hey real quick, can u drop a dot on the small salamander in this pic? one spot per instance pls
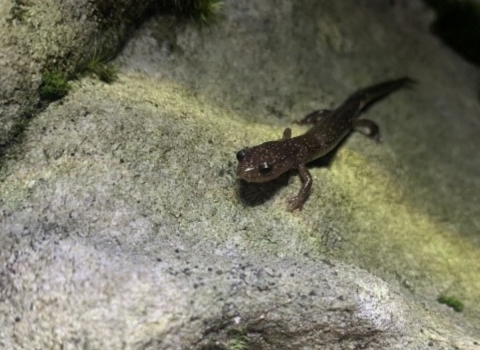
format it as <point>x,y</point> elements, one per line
<point>269,160</point>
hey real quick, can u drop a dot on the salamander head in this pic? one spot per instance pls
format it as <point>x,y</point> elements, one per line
<point>264,162</point>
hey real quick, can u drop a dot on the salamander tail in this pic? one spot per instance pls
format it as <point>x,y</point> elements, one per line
<point>374,93</point>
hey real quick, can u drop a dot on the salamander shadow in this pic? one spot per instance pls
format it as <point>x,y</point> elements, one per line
<point>252,194</point>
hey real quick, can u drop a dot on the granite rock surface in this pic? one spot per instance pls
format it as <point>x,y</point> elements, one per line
<point>122,224</point>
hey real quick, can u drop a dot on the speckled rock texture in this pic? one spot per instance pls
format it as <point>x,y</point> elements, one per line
<point>122,225</point>
<point>45,35</point>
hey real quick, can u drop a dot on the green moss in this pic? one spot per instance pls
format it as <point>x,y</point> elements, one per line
<point>239,343</point>
<point>97,64</point>
<point>55,83</point>
<point>453,302</point>
<point>54,86</point>
<point>204,12</point>
<point>238,339</point>
<point>104,71</point>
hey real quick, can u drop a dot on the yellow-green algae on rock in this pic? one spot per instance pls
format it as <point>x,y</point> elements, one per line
<point>396,237</point>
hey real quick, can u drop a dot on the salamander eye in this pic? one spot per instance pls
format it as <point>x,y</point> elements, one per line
<point>265,168</point>
<point>241,155</point>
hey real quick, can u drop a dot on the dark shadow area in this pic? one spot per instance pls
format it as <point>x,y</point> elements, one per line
<point>252,194</point>
<point>458,25</point>
<point>203,12</point>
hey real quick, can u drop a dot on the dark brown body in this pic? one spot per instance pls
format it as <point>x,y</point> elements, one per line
<point>269,160</point>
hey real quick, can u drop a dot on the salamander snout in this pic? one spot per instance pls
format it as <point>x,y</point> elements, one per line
<point>241,154</point>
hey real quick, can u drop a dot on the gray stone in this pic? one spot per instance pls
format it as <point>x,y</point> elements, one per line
<point>122,224</point>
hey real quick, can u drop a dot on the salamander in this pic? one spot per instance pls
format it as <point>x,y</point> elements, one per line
<point>269,160</point>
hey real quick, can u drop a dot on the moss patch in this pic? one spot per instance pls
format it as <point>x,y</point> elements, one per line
<point>204,12</point>
<point>239,343</point>
<point>98,65</point>
<point>104,71</point>
<point>451,301</point>
<point>54,86</point>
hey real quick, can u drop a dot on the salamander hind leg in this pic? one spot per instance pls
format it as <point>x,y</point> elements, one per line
<point>314,117</point>
<point>368,128</point>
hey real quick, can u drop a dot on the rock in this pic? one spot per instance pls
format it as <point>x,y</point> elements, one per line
<point>122,224</point>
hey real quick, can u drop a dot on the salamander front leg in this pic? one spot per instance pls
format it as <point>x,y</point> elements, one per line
<point>287,134</point>
<point>296,202</point>
<point>368,128</point>
<point>314,117</point>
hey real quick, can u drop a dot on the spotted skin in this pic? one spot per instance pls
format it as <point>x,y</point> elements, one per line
<point>269,160</point>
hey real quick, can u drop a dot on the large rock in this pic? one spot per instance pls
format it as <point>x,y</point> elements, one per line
<point>123,226</point>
